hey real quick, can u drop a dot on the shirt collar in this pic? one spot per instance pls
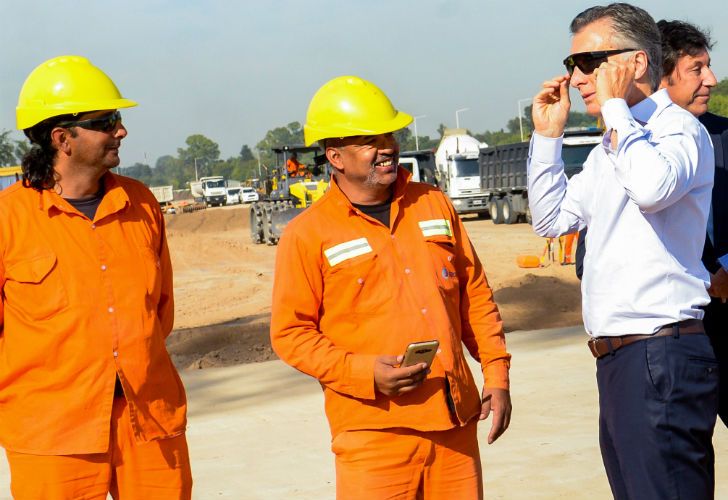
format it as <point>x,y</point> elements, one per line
<point>644,110</point>
<point>115,199</point>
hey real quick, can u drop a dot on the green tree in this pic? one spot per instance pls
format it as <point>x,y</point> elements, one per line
<point>718,103</point>
<point>139,171</point>
<point>22,147</point>
<point>280,136</point>
<point>170,170</point>
<point>246,154</point>
<point>200,150</point>
<point>7,149</point>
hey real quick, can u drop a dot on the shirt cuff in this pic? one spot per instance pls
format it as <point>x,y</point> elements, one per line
<point>617,115</point>
<point>724,261</point>
<point>546,150</point>
<point>495,375</point>
<point>361,376</point>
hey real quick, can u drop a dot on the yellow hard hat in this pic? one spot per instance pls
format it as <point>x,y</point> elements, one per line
<point>66,85</point>
<point>348,106</point>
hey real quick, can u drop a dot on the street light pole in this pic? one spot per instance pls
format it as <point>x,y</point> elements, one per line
<point>457,118</point>
<point>197,178</point>
<point>520,115</point>
<point>417,141</point>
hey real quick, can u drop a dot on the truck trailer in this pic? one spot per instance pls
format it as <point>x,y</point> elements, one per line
<point>505,180</point>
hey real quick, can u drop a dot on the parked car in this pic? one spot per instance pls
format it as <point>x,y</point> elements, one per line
<point>248,195</point>
<point>233,196</point>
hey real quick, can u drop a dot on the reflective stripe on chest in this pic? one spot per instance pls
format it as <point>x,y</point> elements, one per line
<point>435,227</point>
<point>348,250</point>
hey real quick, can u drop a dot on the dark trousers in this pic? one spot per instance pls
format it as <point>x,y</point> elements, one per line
<point>716,326</point>
<point>658,401</point>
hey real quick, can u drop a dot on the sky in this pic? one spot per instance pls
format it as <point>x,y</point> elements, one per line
<point>232,70</point>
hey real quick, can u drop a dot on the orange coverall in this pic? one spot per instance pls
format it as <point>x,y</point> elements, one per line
<point>349,289</point>
<point>84,302</point>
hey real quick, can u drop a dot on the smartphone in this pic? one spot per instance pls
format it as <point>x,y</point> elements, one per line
<point>420,352</point>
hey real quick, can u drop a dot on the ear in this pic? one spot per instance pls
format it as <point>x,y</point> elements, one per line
<point>335,159</point>
<point>641,65</point>
<point>60,140</point>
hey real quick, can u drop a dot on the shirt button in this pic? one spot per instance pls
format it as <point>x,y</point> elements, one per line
<point>424,310</point>
<point>93,226</point>
<point>103,267</point>
<point>111,309</point>
<point>360,281</point>
<point>449,258</point>
<point>116,354</point>
<point>407,270</point>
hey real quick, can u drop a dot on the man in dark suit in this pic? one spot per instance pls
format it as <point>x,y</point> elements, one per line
<point>689,81</point>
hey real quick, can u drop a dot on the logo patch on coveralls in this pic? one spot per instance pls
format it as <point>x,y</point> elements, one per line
<point>348,250</point>
<point>436,227</point>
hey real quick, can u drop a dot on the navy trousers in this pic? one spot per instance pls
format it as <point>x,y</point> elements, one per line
<point>716,326</point>
<point>658,402</point>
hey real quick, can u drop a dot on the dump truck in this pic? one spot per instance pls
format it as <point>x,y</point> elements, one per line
<point>505,180</point>
<point>286,196</point>
<point>164,195</point>
<point>212,190</point>
<point>458,173</point>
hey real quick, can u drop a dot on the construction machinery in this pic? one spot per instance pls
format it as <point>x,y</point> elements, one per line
<point>285,196</point>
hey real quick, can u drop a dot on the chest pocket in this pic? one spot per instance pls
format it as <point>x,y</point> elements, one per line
<point>442,253</point>
<point>35,287</point>
<point>358,281</point>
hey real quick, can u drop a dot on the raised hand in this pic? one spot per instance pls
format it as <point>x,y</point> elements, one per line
<point>551,107</point>
<point>614,78</point>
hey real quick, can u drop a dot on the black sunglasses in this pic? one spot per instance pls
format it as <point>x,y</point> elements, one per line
<point>587,62</point>
<point>105,123</point>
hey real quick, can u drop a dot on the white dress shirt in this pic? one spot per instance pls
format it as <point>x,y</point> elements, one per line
<point>646,206</point>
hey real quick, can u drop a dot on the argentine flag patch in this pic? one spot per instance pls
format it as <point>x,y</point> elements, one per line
<point>348,250</point>
<point>436,227</point>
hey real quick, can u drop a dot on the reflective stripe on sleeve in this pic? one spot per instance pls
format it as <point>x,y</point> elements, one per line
<point>435,227</point>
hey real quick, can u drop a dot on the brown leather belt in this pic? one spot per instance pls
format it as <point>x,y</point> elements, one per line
<point>601,346</point>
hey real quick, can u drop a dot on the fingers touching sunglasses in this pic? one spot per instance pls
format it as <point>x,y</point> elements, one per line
<point>587,62</point>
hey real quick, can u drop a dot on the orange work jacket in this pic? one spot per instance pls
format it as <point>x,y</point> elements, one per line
<point>348,289</point>
<point>82,302</point>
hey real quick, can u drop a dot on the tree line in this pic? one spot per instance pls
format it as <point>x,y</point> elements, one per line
<point>201,155</point>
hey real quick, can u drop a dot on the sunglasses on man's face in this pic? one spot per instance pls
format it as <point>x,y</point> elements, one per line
<point>105,123</point>
<point>587,62</point>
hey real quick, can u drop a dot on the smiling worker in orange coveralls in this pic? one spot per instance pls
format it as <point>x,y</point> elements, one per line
<point>90,402</point>
<point>377,263</point>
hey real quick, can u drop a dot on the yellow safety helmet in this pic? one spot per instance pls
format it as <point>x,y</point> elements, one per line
<point>66,85</point>
<point>348,106</point>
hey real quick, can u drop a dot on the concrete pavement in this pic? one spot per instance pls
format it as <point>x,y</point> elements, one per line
<point>259,432</point>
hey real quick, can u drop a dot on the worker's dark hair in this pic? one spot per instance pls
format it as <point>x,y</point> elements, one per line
<point>681,39</point>
<point>633,27</point>
<point>37,163</point>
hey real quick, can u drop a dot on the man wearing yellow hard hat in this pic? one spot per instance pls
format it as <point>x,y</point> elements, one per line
<point>90,402</point>
<point>380,266</point>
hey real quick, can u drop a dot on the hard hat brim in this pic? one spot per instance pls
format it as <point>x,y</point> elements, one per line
<point>32,116</point>
<point>314,134</point>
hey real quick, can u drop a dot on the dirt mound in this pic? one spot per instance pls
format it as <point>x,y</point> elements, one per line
<point>210,220</point>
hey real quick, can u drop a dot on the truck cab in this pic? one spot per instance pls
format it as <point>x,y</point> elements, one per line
<point>458,171</point>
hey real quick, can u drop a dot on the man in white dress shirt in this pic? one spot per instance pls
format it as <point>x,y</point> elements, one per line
<point>645,195</point>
